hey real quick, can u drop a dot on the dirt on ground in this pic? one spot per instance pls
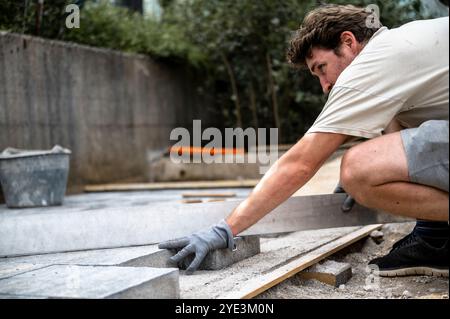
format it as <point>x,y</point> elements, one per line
<point>363,285</point>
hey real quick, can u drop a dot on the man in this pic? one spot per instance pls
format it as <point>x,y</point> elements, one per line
<point>389,86</point>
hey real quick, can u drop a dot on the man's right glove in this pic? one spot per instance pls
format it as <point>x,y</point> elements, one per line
<point>348,203</point>
<point>200,243</point>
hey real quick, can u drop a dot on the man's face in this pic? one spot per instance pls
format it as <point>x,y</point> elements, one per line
<point>327,65</point>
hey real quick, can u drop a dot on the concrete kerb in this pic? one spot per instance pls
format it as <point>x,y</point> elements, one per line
<point>246,247</point>
<point>139,256</point>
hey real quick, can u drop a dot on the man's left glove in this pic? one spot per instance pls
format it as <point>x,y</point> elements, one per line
<point>200,243</point>
<point>348,203</point>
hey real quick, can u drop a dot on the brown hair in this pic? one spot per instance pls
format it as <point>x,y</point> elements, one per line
<point>322,28</point>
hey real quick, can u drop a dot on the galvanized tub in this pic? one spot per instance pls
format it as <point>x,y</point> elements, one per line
<point>34,178</point>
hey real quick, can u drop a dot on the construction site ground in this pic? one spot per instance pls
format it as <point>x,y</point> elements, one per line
<point>360,285</point>
<point>277,249</point>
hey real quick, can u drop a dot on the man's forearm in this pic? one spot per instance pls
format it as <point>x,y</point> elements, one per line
<point>274,188</point>
<point>294,169</point>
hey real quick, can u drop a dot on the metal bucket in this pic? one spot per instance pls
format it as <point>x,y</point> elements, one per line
<point>34,178</point>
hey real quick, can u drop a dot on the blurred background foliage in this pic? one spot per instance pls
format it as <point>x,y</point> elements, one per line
<point>238,47</point>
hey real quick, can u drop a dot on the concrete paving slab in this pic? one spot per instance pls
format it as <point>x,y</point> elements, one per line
<point>139,256</point>
<point>3,296</point>
<point>93,201</point>
<point>13,268</point>
<point>72,281</point>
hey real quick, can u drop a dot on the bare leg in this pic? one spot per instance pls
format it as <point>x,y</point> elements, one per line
<point>375,173</point>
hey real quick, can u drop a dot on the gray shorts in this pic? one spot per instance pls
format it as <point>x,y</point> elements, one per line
<point>426,150</point>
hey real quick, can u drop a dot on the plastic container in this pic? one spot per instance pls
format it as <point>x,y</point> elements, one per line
<point>34,178</point>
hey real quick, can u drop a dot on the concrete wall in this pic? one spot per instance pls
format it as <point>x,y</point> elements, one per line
<point>108,107</point>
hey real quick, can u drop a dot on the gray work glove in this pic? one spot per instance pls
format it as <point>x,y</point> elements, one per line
<point>348,203</point>
<point>200,243</point>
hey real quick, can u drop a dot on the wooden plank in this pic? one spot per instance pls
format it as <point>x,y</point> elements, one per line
<point>191,201</point>
<point>260,284</point>
<point>206,150</point>
<point>267,148</point>
<point>247,183</point>
<point>208,194</point>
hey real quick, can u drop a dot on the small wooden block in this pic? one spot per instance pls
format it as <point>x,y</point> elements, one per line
<point>330,272</point>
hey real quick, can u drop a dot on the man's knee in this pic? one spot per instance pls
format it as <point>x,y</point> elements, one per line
<point>354,175</point>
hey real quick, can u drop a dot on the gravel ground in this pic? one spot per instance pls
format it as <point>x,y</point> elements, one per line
<point>361,285</point>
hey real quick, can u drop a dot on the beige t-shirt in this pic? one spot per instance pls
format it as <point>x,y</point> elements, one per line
<point>401,73</point>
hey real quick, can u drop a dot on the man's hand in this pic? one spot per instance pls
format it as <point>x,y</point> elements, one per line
<point>348,203</point>
<point>200,243</point>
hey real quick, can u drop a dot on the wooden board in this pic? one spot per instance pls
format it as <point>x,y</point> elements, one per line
<point>208,195</point>
<point>260,284</point>
<point>248,183</point>
<point>191,201</point>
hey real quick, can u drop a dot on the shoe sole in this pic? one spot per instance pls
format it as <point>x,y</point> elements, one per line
<point>420,271</point>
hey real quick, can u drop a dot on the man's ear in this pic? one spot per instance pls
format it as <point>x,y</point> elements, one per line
<point>349,40</point>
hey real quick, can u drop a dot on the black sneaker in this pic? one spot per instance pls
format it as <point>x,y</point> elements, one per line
<point>413,256</point>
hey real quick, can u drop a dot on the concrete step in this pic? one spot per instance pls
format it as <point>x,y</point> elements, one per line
<point>77,227</point>
<point>73,281</point>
